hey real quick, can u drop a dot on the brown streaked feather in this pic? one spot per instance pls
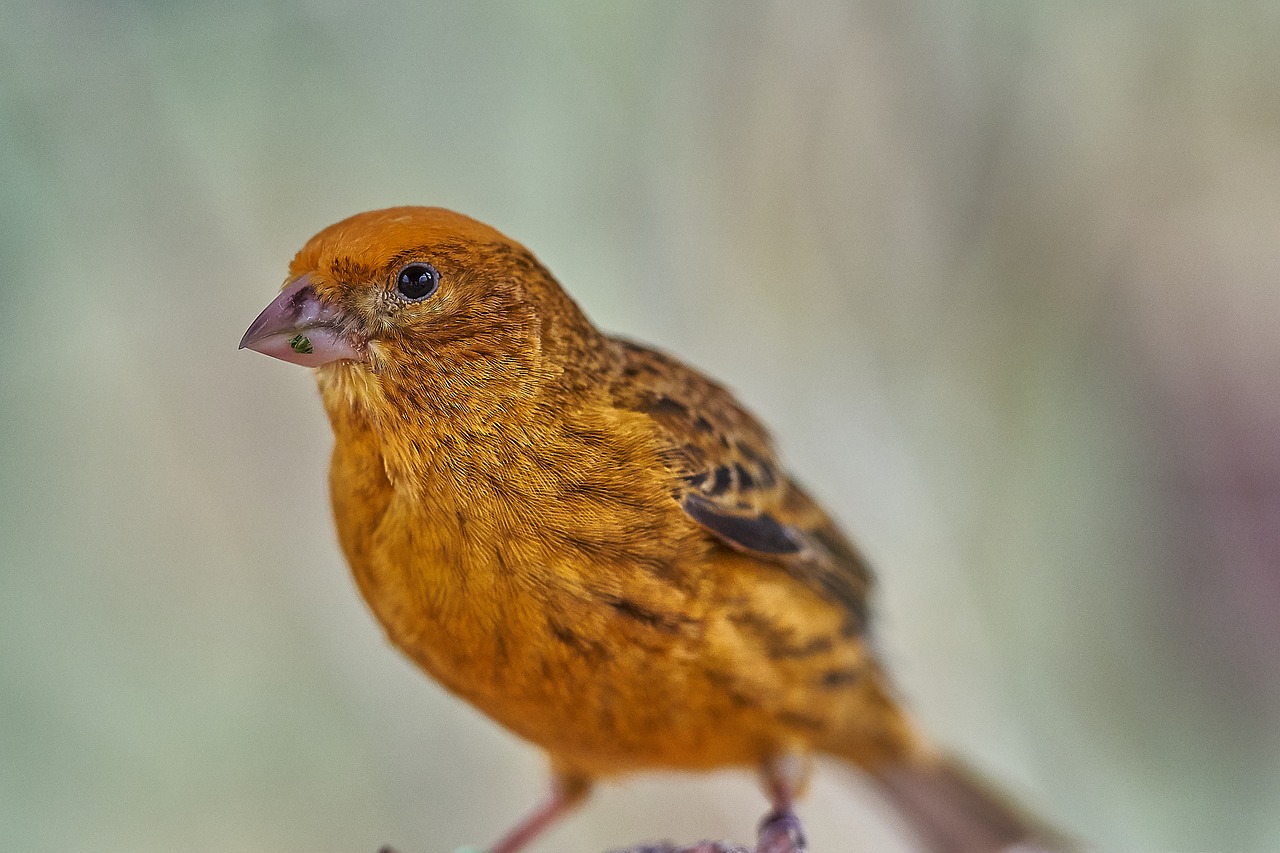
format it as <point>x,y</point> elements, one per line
<point>727,478</point>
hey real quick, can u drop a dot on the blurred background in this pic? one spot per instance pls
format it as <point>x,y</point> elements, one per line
<point>1001,276</point>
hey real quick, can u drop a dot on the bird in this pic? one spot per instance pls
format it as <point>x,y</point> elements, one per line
<point>591,542</point>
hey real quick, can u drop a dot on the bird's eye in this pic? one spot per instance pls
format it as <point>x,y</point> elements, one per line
<point>417,281</point>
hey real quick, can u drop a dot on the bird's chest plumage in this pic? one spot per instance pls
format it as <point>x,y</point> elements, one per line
<point>550,600</point>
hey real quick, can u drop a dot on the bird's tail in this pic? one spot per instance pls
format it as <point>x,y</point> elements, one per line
<point>951,810</point>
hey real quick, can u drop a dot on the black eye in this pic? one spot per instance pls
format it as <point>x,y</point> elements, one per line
<point>417,281</point>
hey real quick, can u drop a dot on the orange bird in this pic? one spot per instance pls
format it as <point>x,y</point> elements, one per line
<point>588,540</point>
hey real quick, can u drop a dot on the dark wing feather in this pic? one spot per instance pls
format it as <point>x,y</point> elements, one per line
<point>760,534</point>
<point>728,479</point>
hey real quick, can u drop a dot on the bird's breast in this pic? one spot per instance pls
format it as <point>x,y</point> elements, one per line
<point>564,594</point>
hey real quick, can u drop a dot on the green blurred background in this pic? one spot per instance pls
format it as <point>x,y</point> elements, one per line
<point>1001,276</point>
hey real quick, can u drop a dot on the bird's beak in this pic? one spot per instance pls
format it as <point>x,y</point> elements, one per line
<point>299,327</point>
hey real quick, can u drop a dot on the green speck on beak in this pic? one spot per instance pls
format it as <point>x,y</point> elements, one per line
<point>301,343</point>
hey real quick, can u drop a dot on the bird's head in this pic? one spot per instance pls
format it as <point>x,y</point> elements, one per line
<point>419,297</point>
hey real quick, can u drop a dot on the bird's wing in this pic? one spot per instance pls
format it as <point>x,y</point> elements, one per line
<point>727,478</point>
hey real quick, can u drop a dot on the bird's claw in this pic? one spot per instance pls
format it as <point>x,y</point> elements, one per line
<point>781,832</point>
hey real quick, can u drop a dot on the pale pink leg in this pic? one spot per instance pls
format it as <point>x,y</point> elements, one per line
<point>567,793</point>
<point>780,831</point>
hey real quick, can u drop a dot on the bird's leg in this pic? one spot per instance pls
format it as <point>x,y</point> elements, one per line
<point>785,777</point>
<point>568,790</point>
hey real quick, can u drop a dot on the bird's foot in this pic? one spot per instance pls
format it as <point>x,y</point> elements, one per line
<point>781,832</point>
